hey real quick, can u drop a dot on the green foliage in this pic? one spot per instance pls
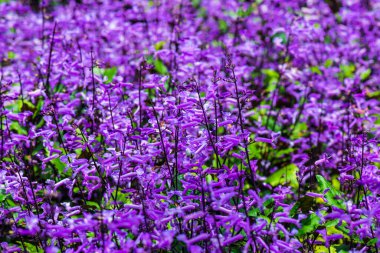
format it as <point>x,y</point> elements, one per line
<point>299,131</point>
<point>158,64</point>
<point>241,12</point>
<point>109,73</point>
<point>346,71</point>
<point>372,242</point>
<point>11,55</point>
<point>375,94</point>
<point>331,223</point>
<point>286,175</point>
<point>31,248</point>
<point>15,126</point>
<point>254,149</point>
<point>328,63</point>
<point>223,26</point>
<point>159,45</point>
<point>282,152</point>
<point>196,3</point>
<point>332,195</point>
<point>271,78</point>
<point>269,206</point>
<point>245,13</point>
<point>309,224</point>
<point>160,67</point>
<point>327,39</point>
<point>316,70</point>
<point>342,248</point>
<point>3,195</point>
<point>365,74</point>
<point>15,107</point>
<point>178,246</point>
<point>38,108</point>
<point>6,199</point>
<point>59,88</point>
<point>272,125</point>
<point>60,166</point>
<point>92,205</point>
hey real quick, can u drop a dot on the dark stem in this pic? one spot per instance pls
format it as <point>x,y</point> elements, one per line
<point>47,85</point>
<point>242,129</point>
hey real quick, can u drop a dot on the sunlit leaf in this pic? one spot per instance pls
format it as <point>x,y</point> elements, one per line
<point>332,195</point>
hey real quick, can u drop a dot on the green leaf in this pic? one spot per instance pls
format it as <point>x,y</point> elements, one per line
<point>11,55</point>
<point>332,195</point>
<point>332,230</point>
<point>59,88</point>
<point>160,67</point>
<point>40,103</point>
<point>159,45</point>
<point>178,246</point>
<point>202,12</point>
<point>309,224</point>
<point>271,79</point>
<point>344,228</point>
<point>110,74</point>
<point>245,13</point>
<point>346,71</point>
<point>316,70</point>
<point>327,39</point>
<point>60,166</point>
<point>209,178</point>
<point>268,202</point>
<point>282,152</point>
<point>3,195</point>
<point>28,106</point>
<point>328,63</point>
<point>92,205</point>
<point>31,248</point>
<point>299,131</point>
<point>375,94</point>
<point>269,206</point>
<point>332,223</point>
<point>254,212</point>
<point>364,75</point>
<point>342,248</point>
<point>196,3</point>
<point>272,76</point>
<point>323,249</point>
<point>18,128</point>
<point>286,175</point>
<point>271,124</point>
<point>90,234</point>
<point>254,150</point>
<point>40,123</point>
<point>98,71</point>
<point>15,107</point>
<point>223,27</point>
<point>372,242</point>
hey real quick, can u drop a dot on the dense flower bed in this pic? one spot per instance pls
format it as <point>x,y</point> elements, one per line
<point>190,126</point>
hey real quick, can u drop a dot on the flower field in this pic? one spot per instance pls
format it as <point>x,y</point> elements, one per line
<point>190,126</point>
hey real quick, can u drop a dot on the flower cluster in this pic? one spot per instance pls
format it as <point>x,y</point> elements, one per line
<point>190,126</point>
